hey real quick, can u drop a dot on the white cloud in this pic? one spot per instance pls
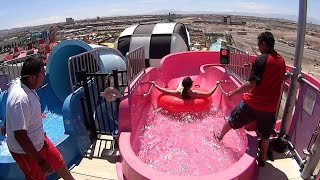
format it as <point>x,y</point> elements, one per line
<point>40,21</point>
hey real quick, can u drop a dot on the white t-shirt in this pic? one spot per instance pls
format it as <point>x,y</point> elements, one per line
<point>23,112</point>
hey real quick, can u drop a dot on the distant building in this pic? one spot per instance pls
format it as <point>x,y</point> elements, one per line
<point>226,20</point>
<point>69,21</point>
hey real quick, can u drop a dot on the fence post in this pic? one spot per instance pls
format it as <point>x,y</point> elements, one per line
<point>293,88</point>
<point>312,160</point>
<point>116,85</point>
<point>83,77</point>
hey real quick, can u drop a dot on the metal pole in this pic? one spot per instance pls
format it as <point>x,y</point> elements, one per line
<point>290,103</point>
<point>312,160</point>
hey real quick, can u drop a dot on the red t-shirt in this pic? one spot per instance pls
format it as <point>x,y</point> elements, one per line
<point>268,70</point>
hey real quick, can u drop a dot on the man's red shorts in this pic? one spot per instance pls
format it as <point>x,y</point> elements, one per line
<point>31,168</point>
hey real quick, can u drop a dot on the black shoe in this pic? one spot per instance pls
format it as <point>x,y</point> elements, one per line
<point>270,155</point>
<point>261,163</point>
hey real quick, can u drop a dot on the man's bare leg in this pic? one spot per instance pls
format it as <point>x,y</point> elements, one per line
<point>226,128</point>
<point>64,173</point>
<point>263,149</point>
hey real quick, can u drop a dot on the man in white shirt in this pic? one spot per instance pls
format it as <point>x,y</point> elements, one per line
<point>32,150</point>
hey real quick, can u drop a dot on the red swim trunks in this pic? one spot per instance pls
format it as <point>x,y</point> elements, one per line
<point>31,168</point>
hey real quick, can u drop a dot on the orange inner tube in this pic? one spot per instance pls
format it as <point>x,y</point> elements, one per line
<point>176,104</point>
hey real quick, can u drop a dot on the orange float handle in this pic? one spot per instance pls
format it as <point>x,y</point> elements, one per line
<point>176,104</point>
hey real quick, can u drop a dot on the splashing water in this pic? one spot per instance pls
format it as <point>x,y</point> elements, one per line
<point>52,125</point>
<point>183,143</point>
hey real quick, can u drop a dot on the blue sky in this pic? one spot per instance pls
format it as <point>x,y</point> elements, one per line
<point>19,13</point>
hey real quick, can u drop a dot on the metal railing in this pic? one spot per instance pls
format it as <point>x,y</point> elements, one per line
<point>301,79</point>
<point>239,64</point>
<point>310,156</point>
<point>102,116</point>
<point>221,88</point>
<point>87,62</point>
<point>135,65</point>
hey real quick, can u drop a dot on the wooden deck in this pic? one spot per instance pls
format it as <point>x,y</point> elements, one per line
<point>282,168</point>
<point>99,163</point>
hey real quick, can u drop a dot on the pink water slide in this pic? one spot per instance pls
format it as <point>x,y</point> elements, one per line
<point>204,68</point>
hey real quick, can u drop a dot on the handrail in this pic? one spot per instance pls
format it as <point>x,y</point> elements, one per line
<point>149,91</point>
<point>223,91</point>
<point>301,79</point>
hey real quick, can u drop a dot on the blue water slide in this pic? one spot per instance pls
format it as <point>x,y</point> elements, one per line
<point>57,67</point>
<point>56,97</point>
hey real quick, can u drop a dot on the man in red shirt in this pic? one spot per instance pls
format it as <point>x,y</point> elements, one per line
<point>261,93</point>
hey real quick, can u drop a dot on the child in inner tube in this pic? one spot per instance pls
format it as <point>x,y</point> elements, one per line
<point>184,90</point>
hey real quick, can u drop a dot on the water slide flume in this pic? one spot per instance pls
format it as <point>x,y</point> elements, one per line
<point>139,120</point>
